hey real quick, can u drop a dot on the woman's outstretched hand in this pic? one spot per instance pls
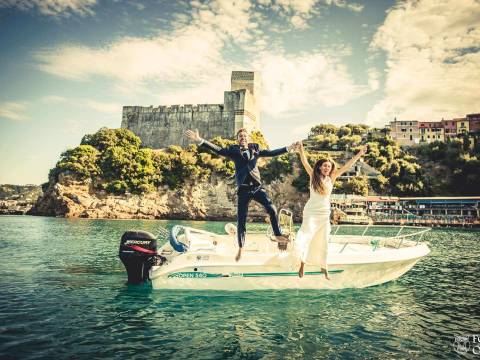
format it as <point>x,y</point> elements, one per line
<point>193,135</point>
<point>293,147</point>
<point>298,146</point>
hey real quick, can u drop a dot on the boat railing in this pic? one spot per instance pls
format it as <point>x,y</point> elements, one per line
<point>395,241</point>
<point>285,222</point>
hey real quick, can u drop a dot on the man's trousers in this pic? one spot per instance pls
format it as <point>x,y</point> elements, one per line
<point>245,195</point>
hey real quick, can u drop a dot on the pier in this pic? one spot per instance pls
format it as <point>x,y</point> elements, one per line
<point>416,211</point>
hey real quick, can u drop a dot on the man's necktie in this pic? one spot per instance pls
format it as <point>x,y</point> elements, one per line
<point>245,154</point>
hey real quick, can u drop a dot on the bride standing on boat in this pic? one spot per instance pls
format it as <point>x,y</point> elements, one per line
<point>312,238</point>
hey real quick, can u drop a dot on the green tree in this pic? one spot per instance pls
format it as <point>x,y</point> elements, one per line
<point>323,129</point>
<point>117,187</point>
<point>105,138</point>
<point>358,129</point>
<point>278,167</point>
<point>379,184</point>
<point>257,137</point>
<point>216,163</point>
<point>349,141</point>
<point>324,141</point>
<point>356,185</point>
<point>344,131</point>
<point>81,161</point>
<point>183,168</point>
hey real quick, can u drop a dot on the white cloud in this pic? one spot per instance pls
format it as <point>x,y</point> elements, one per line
<point>189,52</point>
<point>62,8</point>
<point>299,22</point>
<point>99,106</point>
<point>53,99</point>
<point>190,55</point>
<point>13,110</point>
<point>138,6</point>
<point>345,4</point>
<point>297,6</point>
<point>104,107</point>
<point>373,79</point>
<point>189,64</point>
<point>433,61</point>
<point>209,92</point>
<point>302,131</point>
<point>299,12</point>
<point>289,83</point>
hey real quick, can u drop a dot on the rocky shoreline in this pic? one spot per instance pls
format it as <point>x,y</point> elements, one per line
<point>213,200</point>
<point>15,207</point>
<point>18,199</point>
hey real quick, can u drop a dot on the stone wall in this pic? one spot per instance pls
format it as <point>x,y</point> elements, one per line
<point>162,126</point>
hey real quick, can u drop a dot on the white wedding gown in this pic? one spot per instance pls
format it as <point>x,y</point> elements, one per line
<point>312,237</point>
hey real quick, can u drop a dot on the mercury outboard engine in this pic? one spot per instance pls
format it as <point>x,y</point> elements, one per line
<point>138,250</point>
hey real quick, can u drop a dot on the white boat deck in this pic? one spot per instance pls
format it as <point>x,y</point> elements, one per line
<point>353,260</point>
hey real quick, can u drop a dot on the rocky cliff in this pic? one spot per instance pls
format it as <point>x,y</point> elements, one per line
<point>214,200</point>
<point>18,199</point>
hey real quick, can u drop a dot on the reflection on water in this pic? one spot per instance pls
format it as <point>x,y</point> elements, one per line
<point>63,295</point>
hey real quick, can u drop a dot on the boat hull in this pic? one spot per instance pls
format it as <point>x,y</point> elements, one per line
<point>341,277</point>
<point>353,261</point>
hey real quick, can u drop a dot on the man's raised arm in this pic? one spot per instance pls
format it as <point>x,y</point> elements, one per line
<point>276,152</point>
<point>195,137</point>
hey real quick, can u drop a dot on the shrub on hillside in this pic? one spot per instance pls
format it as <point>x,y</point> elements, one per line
<point>82,161</point>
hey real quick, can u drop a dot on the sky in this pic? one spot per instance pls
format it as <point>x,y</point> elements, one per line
<point>68,66</point>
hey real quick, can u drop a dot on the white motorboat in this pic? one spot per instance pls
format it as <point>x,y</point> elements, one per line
<point>201,260</point>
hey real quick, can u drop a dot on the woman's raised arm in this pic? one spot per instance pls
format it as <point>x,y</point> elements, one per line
<point>350,162</point>
<point>303,158</point>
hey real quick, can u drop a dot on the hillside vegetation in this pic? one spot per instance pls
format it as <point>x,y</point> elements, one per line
<point>115,161</point>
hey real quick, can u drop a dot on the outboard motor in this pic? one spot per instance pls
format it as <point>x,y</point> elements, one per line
<point>138,250</point>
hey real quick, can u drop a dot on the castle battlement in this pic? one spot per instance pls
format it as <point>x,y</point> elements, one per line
<point>184,108</point>
<point>161,126</point>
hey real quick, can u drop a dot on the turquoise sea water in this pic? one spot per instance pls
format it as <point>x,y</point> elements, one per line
<point>63,296</point>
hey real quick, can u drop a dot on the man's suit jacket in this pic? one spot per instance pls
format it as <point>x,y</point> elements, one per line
<point>242,165</point>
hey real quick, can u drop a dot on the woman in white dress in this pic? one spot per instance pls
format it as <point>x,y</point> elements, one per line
<point>312,238</point>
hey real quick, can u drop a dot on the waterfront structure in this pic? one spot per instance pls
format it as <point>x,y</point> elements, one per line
<point>349,209</point>
<point>449,128</point>
<point>473,122</point>
<point>431,131</point>
<point>382,204</point>
<point>462,126</point>
<point>468,206</point>
<point>405,132</point>
<point>162,126</point>
<point>413,132</point>
<point>455,211</point>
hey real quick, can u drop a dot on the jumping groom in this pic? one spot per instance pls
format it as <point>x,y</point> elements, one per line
<point>247,176</point>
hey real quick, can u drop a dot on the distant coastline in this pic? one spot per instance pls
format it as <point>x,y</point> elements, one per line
<point>18,199</point>
<point>215,200</point>
<point>112,175</point>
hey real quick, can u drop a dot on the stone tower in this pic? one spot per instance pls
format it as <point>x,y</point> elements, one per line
<point>249,116</point>
<point>162,126</point>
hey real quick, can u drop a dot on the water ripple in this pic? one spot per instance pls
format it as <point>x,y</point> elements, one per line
<point>63,295</point>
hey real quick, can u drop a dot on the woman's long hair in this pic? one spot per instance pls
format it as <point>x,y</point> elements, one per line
<point>317,181</point>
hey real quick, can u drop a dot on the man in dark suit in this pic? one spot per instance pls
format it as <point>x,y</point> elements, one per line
<point>247,176</point>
